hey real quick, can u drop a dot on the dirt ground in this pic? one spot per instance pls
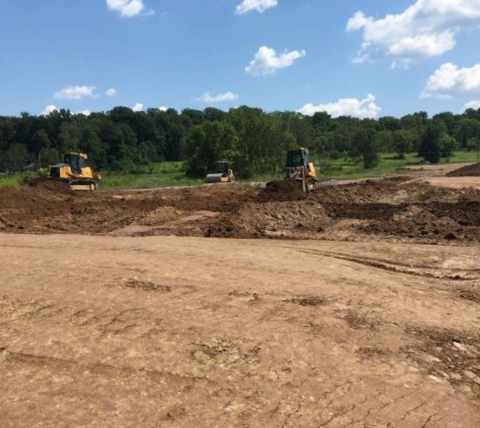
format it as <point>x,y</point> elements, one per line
<point>237,306</point>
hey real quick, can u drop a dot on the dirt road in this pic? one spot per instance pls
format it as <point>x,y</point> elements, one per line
<point>372,321</point>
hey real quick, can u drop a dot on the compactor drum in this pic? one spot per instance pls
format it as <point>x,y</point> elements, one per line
<point>222,174</point>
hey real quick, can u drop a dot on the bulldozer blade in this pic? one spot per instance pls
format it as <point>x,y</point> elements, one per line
<point>83,187</point>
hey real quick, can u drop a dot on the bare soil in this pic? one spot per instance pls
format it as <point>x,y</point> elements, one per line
<point>356,305</point>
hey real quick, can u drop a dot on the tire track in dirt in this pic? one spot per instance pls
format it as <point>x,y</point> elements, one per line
<point>95,368</point>
<point>133,321</point>
<point>393,267</point>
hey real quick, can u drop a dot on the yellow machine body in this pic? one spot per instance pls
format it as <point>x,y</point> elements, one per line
<point>300,168</point>
<point>75,171</point>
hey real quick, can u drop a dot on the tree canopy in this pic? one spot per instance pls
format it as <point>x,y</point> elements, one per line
<point>253,140</point>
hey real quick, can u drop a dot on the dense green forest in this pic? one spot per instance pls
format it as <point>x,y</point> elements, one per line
<point>254,141</point>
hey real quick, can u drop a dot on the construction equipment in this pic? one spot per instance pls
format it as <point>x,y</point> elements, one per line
<point>75,171</point>
<point>222,174</point>
<point>300,168</point>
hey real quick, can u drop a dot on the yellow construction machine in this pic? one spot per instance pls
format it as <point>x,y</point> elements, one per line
<point>222,174</point>
<point>75,171</point>
<point>300,168</point>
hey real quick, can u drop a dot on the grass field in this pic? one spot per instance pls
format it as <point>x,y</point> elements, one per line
<point>348,168</point>
<point>171,174</point>
<point>164,174</point>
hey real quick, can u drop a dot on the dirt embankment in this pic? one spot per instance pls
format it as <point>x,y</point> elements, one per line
<point>466,171</point>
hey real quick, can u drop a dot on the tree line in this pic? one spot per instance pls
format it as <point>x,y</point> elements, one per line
<point>252,140</point>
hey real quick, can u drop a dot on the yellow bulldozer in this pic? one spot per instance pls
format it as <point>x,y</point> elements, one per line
<point>222,174</point>
<point>300,168</point>
<point>75,171</point>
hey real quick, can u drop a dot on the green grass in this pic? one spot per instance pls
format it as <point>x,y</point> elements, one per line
<point>11,180</point>
<point>164,174</point>
<point>348,168</point>
<point>119,181</point>
<point>18,179</point>
<point>463,157</point>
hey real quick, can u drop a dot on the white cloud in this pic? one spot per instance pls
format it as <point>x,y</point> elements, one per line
<point>207,97</point>
<point>111,92</point>
<point>128,8</point>
<point>137,107</point>
<point>163,108</point>
<point>451,81</point>
<point>366,108</point>
<point>75,93</point>
<point>426,29</point>
<point>472,104</point>
<point>258,5</point>
<point>267,61</point>
<point>48,110</point>
<point>358,21</point>
<point>85,112</point>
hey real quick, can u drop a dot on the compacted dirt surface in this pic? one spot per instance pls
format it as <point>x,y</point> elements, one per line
<point>357,305</point>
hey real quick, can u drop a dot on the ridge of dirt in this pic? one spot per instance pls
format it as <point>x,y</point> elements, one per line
<point>466,171</point>
<point>394,208</point>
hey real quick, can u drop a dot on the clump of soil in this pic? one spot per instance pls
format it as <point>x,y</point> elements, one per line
<point>284,186</point>
<point>307,301</point>
<point>147,286</point>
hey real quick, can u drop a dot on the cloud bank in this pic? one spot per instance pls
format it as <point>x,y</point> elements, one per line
<point>49,109</point>
<point>362,109</point>
<point>208,97</point>
<point>472,104</point>
<point>75,93</point>
<point>450,81</point>
<point>424,30</point>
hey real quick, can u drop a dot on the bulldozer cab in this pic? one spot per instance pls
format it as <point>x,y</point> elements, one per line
<point>77,161</point>
<point>297,158</point>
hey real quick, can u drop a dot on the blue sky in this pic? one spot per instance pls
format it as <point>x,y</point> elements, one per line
<point>363,58</point>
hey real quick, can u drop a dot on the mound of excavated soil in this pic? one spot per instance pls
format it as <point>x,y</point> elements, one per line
<point>466,171</point>
<point>284,186</point>
<point>374,209</point>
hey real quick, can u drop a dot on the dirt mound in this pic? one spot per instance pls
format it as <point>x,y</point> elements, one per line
<point>466,171</point>
<point>392,209</point>
<point>430,223</point>
<point>54,186</point>
<point>282,190</point>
